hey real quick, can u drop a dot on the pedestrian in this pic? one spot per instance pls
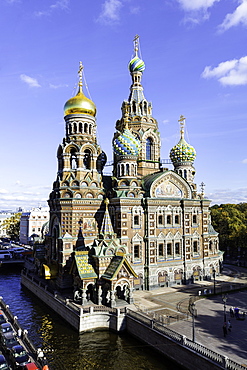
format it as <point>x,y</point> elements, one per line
<point>231,312</point>
<point>19,332</point>
<point>229,326</point>
<point>236,310</point>
<point>224,329</point>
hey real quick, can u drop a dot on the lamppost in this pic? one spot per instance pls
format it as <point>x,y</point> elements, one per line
<point>224,299</point>
<point>214,272</point>
<point>193,312</point>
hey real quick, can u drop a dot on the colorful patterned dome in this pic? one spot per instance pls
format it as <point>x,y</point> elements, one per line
<point>182,152</point>
<point>126,144</point>
<point>136,65</point>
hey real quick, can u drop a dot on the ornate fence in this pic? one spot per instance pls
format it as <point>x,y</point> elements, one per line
<point>198,348</point>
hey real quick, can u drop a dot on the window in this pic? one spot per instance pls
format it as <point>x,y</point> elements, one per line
<point>149,144</point>
<point>177,248</point>
<point>194,219</point>
<point>195,246</point>
<point>210,245</point>
<point>136,220</point>
<point>161,250</point>
<point>168,219</point>
<point>87,159</point>
<point>169,249</point>
<point>160,219</point>
<point>136,251</point>
<point>176,219</point>
<point>73,159</point>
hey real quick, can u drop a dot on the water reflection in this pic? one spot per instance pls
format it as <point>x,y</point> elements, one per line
<point>66,349</point>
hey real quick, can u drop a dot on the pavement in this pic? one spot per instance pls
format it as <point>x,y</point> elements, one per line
<point>173,302</point>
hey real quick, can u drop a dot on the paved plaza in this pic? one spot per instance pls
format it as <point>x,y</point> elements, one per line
<point>210,312</point>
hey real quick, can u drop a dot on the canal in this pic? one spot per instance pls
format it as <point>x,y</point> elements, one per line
<point>64,347</point>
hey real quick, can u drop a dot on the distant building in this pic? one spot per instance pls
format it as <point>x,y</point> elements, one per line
<point>143,227</point>
<point>32,224</point>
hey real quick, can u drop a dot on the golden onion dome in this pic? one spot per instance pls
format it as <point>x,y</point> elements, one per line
<point>80,104</point>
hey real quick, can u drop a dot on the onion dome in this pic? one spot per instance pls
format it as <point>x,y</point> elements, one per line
<point>182,152</point>
<point>126,144</point>
<point>80,104</point>
<point>136,65</point>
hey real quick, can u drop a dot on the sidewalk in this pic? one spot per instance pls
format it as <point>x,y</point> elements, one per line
<point>210,313</point>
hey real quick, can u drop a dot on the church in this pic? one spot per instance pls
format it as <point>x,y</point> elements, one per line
<point>143,227</point>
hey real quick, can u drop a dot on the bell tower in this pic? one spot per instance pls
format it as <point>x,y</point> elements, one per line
<point>78,190</point>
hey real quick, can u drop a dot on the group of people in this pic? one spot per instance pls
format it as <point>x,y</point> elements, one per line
<point>235,312</point>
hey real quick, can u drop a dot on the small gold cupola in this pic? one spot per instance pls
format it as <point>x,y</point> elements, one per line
<point>80,104</point>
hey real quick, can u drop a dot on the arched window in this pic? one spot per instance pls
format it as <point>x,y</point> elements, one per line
<point>73,159</point>
<point>87,159</point>
<point>149,145</point>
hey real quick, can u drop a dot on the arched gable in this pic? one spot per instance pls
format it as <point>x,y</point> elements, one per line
<point>170,185</point>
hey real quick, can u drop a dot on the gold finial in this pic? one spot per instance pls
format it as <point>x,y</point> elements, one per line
<point>80,75</point>
<point>136,44</point>
<point>106,202</point>
<point>182,123</point>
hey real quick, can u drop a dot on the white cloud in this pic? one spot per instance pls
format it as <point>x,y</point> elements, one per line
<point>196,10</point>
<point>231,72</point>
<point>32,82</point>
<point>3,191</point>
<point>60,4</point>
<point>192,5</point>
<point>244,161</point>
<point>57,86</point>
<point>110,11</point>
<point>237,17</point>
<point>135,10</point>
<point>221,196</point>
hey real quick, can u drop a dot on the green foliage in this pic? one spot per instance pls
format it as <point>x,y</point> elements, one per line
<point>230,221</point>
<point>12,226</point>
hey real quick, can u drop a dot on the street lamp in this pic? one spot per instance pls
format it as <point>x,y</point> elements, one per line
<point>214,272</point>
<point>193,312</point>
<point>224,299</point>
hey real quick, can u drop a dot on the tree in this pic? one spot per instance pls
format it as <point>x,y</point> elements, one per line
<point>12,226</point>
<point>230,221</point>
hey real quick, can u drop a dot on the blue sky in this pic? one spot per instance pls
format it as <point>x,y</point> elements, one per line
<point>196,65</point>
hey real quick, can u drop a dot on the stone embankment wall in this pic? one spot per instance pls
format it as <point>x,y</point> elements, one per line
<point>82,319</point>
<point>191,355</point>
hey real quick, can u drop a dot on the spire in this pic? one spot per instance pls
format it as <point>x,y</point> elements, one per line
<point>106,226</point>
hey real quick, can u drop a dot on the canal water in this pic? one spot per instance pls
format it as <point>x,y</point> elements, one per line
<point>64,347</point>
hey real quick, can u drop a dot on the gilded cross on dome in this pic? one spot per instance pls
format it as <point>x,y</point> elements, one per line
<point>136,43</point>
<point>182,123</point>
<point>80,74</point>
